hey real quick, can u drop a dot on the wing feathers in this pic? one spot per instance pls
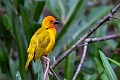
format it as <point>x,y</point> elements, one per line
<point>43,41</point>
<point>38,45</point>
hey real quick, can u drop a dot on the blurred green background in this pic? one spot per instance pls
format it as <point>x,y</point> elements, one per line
<point>19,19</point>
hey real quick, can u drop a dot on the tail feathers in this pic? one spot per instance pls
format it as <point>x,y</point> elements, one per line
<point>30,57</point>
<point>27,64</point>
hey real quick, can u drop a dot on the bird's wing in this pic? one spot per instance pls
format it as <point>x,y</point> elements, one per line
<point>42,43</point>
<point>30,50</point>
<point>37,46</point>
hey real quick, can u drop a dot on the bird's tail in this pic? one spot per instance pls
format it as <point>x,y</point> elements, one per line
<point>30,57</point>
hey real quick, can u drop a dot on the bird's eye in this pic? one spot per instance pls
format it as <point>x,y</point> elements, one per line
<point>46,28</point>
<point>51,21</point>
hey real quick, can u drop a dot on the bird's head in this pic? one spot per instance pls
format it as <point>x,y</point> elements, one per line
<point>49,22</point>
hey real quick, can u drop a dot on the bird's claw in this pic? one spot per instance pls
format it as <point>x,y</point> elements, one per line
<point>46,58</point>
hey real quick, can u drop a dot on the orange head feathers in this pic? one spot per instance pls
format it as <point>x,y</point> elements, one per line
<point>49,22</point>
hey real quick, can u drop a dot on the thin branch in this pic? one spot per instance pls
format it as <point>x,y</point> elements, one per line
<point>44,67</point>
<point>91,40</point>
<point>54,73</point>
<point>46,77</point>
<point>106,18</point>
<point>81,62</point>
<point>43,62</point>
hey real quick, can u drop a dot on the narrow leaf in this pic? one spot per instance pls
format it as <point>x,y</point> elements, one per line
<point>100,69</point>
<point>112,44</point>
<point>115,62</point>
<point>20,41</point>
<point>12,68</point>
<point>40,72</point>
<point>107,66</point>
<point>6,21</point>
<point>18,76</point>
<point>39,8</point>
<point>69,66</point>
<point>69,28</point>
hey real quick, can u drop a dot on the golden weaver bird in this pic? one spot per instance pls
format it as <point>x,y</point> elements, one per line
<point>43,40</point>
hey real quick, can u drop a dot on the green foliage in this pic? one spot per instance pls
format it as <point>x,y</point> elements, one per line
<point>108,68</point>
<point>18,77</point>
<point>19,19</point>
<point>115,62</point>
<point>69,66</point>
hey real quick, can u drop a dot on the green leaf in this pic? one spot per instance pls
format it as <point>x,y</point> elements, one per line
<point>18,76</point>
<point>21,45</point>
<point>6,21</point>
<point>8,4</point>
<point>21,2</point>
<point>107,66</point>
<point>53,6</point>
<point>70,27</point>
<point>27,22</point>
<point>36,66</point>
<point>40,72</point>
<point>69,66</point>
<point>115,62</point>
<point>39,8</point>
<point>12,68</point>
<point>97,15</point>
<point>100,69</point>
<point>2,53</point>
<point>112,44</point>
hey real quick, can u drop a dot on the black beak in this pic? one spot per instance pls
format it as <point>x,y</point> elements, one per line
<point>56,22</point>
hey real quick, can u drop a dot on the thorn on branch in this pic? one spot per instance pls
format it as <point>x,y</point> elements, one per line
<point>115,18</point>
<point>111,15</point>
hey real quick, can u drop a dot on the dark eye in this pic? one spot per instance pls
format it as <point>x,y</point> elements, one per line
<point>51,21</point>
<point>46,28</point>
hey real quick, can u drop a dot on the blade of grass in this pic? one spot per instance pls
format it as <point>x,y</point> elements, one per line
<point>115,62</point>
<point>6,21</point>
<point>12,68</point>
<point>3,55</point>
<point>40,71</point>
<point>18,76</point>
<point>20,42</point>
<point>100,69</point>
<point>97,16</point>
<point>27,22</point>
<point>107,66</point>
<point>70,18</point>
<point>69,66</point>
<point>39,8</point>
<point>68,29</point>
<point>112,44</point>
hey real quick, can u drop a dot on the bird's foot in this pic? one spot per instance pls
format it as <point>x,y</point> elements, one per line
<point>46,58</point>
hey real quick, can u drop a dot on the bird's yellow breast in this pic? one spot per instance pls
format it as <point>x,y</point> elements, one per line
<point>52,33</point>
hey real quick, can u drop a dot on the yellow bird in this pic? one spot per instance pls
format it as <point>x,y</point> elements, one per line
<point>43,40</point>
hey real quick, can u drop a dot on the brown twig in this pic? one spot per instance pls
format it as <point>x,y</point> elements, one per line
<point>106,18</point>
<point>44,67</point>
<point>54,73</point>
<point>46,72</point>
<point>91,40</point>
<point>81,62</point>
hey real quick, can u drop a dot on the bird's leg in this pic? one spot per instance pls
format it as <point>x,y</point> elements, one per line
<point>46,58</point>
<point>47,61</point>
